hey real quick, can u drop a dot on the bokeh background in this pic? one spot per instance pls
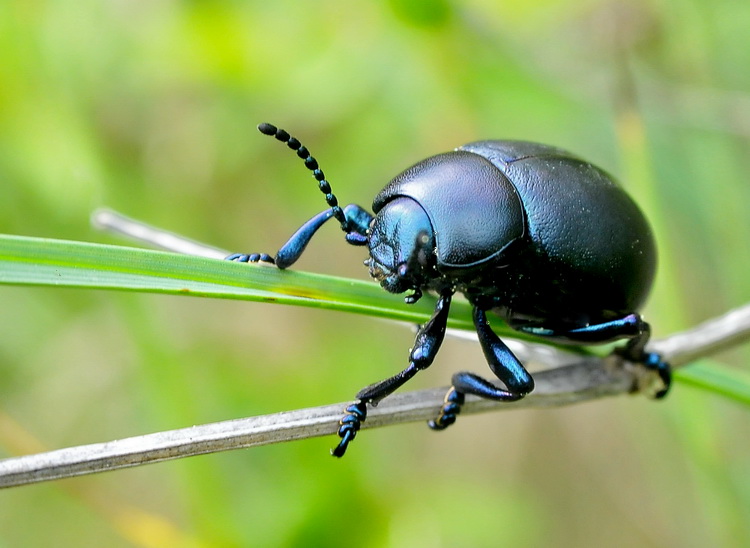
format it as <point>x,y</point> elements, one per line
<point>149,107</point>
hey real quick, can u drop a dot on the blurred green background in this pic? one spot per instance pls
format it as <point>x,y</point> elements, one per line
<point>149,107</point>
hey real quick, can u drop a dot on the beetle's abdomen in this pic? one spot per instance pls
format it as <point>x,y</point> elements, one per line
<point>591,249</point>
<point>475,211</point>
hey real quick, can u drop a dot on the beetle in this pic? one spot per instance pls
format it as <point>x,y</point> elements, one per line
<point>544,239</point>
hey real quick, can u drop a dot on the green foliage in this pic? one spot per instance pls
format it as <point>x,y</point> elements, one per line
<point>59,263</point>
<point>732,383</point>
<point>150,108</point>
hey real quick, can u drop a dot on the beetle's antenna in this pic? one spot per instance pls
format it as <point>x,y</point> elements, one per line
<point>311,164</point>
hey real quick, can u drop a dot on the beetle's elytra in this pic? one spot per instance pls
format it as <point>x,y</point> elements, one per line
<point>537,235</point>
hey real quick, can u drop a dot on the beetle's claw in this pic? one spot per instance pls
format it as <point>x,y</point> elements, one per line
<point>349,426</point>
<point>414,297</point>
<point>340,449</point>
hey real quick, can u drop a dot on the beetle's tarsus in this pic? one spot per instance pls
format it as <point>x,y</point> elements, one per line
<point>250,258</point>
<point>350,424</point>
<point>652,360</point>
<point>451,408</point>
<point>635,351</point>
<point>340,450</point>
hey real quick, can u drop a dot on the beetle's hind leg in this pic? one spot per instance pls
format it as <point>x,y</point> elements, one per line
<point>503,364</point>
<point>635,350</point>
<point>632,327</point>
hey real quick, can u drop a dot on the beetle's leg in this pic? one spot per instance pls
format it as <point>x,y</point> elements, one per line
<point>426,345</point>
<point>293,248</point>
<point>635,351</point>
<point>250,258</point>
<point>631,326</point>
<point>503,364</point>
<point>626,327</point>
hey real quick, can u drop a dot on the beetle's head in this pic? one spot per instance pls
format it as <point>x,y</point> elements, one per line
<point>402,246</point>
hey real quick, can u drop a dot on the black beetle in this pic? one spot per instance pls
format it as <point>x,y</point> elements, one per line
<point>544,239</point>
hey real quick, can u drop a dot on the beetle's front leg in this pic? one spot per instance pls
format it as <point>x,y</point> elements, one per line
<point>426,345</point>
<point>292,249</point>
<point>250,258</point>
<point>357,218</point>
<point>503,364</point>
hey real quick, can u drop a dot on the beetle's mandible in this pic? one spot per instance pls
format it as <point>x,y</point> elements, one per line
<point>531,232</point>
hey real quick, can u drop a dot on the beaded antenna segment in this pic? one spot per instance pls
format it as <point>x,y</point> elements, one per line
<point>310,163</point>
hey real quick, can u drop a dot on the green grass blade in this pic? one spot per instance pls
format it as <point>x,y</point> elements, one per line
<point>60,263</point>
<point>717,378</point>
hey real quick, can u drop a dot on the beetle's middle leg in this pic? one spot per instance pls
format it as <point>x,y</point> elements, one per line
<point>503,364</point>
<point>426,345</point>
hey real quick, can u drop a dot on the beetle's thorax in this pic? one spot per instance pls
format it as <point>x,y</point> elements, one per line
<point>402,246</point>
